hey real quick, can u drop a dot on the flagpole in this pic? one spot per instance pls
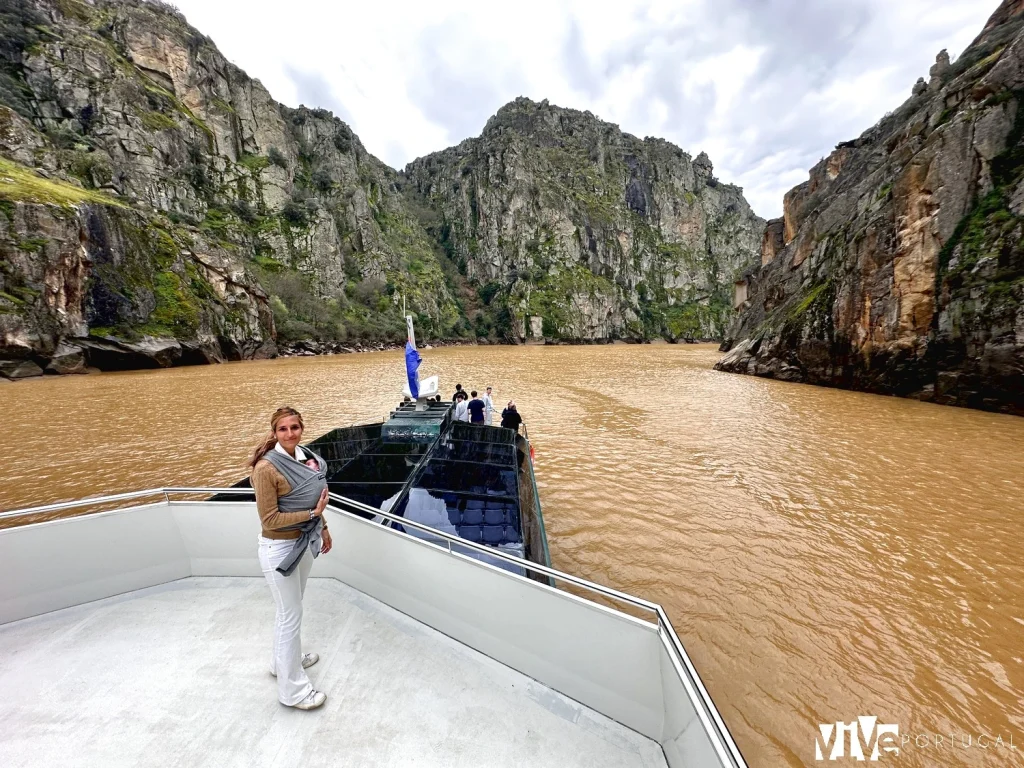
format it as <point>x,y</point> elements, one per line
<point>411,332</point>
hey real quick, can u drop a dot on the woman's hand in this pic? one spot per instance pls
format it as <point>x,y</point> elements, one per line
<point>321,505</point>
<point>325,542</point>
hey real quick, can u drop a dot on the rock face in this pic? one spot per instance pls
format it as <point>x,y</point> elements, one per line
<point>158,208</point>
<point>556,214</point>
<point>152,190</point>
<point>71,273</point>
<point>899,266</point>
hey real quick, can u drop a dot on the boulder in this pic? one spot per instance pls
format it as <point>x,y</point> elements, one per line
<point>19,369</point>
<point>199,353</point>
<point>68,358</point>
<point>165,352</point>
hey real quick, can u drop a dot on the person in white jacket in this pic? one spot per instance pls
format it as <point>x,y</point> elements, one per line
<point>461,406</point>
<point>488,407</point>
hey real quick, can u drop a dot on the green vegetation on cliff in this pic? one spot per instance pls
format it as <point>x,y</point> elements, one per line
<point>985,254</point>
<point>22,185</point>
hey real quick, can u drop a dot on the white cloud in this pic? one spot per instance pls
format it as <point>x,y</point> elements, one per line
<point>766,87</point>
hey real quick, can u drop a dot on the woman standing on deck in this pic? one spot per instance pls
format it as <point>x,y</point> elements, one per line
<point>290,497</point>
<point>510,418</point>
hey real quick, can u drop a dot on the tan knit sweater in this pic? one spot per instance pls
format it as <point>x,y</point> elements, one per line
<point>269,485</point>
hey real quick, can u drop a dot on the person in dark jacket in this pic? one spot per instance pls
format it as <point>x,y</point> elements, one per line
<point>476,408</point>
<point>458,393</point>
<point>510,418</point>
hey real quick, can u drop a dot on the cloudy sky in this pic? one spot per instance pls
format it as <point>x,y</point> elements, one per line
<point>765,87</point>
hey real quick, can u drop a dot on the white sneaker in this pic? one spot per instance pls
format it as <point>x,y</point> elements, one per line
<point>308,660</point>
<point>312,701</point>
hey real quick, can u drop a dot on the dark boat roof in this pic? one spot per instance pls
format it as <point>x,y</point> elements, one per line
<point>472,469</point>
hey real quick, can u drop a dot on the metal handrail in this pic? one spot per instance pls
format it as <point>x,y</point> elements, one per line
<point>709,715</point>
<point>492,552</point>
<point>352,503</point>
<point>247,491</point>
<point>80,503</point>
<point>712,717</point>
<point>89,501</point>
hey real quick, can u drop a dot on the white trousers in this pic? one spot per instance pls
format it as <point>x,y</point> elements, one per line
<point>292,682</point>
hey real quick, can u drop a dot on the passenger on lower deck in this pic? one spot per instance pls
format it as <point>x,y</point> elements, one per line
<point>488,407</point>
<point>461,407</point>
<point>510,418</point>
<point>476,408</point>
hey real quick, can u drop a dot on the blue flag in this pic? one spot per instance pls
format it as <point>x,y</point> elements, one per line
<point>412,365</point>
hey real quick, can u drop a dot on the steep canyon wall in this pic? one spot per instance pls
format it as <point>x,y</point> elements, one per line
<point>898,267</point>
<point>158,207</point>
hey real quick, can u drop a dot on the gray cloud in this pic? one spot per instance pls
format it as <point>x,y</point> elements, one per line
<point>805,47</point>
<point>460,96</point>
<point>579,69</point>
<point>782,124</point>
<point>313,90</point>
<point>421,80</point>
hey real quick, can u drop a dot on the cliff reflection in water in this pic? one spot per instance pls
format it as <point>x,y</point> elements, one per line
<point>823,554</point>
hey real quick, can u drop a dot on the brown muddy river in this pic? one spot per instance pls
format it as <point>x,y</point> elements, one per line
<point>823,554</point>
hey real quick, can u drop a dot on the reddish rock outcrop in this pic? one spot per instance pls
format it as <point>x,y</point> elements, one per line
<point>773,240</point>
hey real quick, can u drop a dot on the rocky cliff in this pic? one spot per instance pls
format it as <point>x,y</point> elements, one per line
<point>899,266</point>
<point>158,207</point>
<point>562,220</point>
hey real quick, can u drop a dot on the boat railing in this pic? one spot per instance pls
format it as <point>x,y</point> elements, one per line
<point>684,667</point>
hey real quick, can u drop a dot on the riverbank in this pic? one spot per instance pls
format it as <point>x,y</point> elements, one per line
<point>97,354</point>
<point>312,348</point>
<point>104,354</point>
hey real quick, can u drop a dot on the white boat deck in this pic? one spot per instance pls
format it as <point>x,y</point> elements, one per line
<point>177,675</point>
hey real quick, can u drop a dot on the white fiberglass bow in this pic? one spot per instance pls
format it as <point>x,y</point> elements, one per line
<point>174,666</point>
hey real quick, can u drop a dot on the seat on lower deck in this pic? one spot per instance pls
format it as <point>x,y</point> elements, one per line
<point>472,516</point>
<point>495,515</point>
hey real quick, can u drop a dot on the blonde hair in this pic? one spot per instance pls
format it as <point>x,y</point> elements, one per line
<point>269,442</point>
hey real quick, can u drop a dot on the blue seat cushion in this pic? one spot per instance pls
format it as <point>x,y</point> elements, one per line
<point>494,516</point>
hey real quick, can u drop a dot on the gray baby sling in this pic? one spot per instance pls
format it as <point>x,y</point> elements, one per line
<point>306,486</point>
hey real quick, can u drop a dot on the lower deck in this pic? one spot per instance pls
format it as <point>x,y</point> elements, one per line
<point>177,675</point>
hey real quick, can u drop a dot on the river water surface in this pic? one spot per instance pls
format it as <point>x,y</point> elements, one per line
<point>823,554</point>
